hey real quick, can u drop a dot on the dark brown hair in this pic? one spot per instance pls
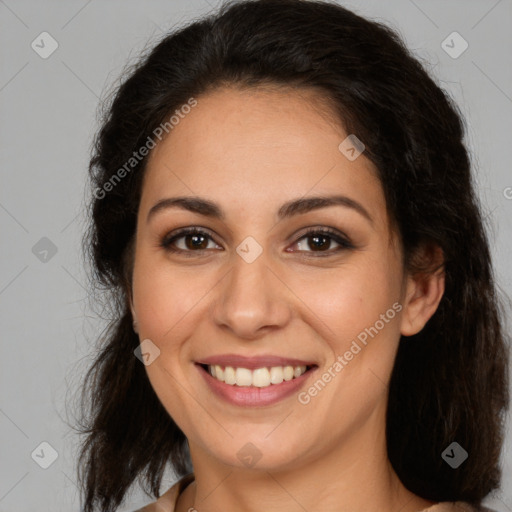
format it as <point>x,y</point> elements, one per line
<point>449,381</point>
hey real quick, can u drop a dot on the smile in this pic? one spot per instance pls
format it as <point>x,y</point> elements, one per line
<point>254,381</point>
<point>259,377</point>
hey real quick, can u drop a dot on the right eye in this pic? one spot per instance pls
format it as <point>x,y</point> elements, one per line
<point>195,240</point>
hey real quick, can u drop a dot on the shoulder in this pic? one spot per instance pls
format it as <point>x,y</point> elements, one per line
<point>165,502</point>
<point>168,500</point>
<point>457,506</point>
<point>476,508</point>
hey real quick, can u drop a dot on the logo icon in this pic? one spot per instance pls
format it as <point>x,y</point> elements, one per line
<point>44,455</point>
<point>249,249</point>
<point>44,45</point>
<point>454,455</point>
<point>351,147</point>
<point>44,250</point>
<point>249,455</point>
<point>454,45</point>
<point>147,352</point>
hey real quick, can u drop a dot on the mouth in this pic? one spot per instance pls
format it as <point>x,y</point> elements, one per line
<point>254,382</point>
<point>260,377</point>
<point>259,381</point>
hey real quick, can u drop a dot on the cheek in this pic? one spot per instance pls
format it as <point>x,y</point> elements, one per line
<point>165,300</point>
<point>351,298</point>
<point>159,298</point>
<point>359,308</point>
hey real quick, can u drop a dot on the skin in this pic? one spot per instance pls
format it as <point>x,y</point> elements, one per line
<point>250,151</point>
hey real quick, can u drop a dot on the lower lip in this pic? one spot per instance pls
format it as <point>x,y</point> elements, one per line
<point>251,396</point>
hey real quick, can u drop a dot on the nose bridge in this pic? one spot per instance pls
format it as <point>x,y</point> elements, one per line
<point>251,296</point>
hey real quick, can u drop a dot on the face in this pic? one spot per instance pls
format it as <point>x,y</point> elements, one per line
<point>262,285</point>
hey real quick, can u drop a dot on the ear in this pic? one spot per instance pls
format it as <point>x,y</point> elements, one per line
<point>424,291</point>
<point>134,314</point>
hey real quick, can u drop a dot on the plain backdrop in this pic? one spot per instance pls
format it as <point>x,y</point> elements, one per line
<point>48,107</point>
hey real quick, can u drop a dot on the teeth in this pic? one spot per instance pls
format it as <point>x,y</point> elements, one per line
<point>297,371</point>
<point>288,373</point>
<point>219,373</point>
<point>276,375</point>
<point>229,375</point>
<point>243,377</point>
<point>260,378</point>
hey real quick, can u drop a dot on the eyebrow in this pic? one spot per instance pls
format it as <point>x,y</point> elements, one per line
<point>295,207</point>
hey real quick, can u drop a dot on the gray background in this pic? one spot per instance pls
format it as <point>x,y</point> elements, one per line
<point>48,118</point>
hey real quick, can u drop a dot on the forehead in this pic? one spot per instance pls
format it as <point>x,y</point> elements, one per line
<point>259,145</point>
<point>231,119</point>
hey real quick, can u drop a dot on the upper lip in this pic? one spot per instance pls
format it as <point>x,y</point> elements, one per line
<point>251,363</point>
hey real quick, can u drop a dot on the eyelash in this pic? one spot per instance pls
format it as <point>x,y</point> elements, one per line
<point>344,243</point>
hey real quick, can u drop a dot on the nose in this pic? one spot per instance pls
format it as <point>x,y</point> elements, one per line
<point>252,299</point>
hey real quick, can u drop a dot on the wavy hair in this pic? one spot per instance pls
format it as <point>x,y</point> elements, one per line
<point>449,382</point>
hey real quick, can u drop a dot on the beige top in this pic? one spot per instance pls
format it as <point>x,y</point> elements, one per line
<point>167,502</point>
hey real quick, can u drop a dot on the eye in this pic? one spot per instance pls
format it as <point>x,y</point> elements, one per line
<point>321,239</point>
<point>197,240</point>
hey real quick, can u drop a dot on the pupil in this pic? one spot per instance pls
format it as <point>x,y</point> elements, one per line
<point>193,243</point>
<point>317,243</point>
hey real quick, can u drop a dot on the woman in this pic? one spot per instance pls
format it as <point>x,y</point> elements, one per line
<point>305,312</point>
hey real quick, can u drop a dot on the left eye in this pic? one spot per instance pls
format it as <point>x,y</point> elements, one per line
<point>197,240</point>
<point>320,241</point>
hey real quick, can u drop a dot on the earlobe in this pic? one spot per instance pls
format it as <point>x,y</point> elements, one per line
<point>423,295</point>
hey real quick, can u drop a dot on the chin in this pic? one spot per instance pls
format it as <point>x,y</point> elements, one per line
<point>277,452</point>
